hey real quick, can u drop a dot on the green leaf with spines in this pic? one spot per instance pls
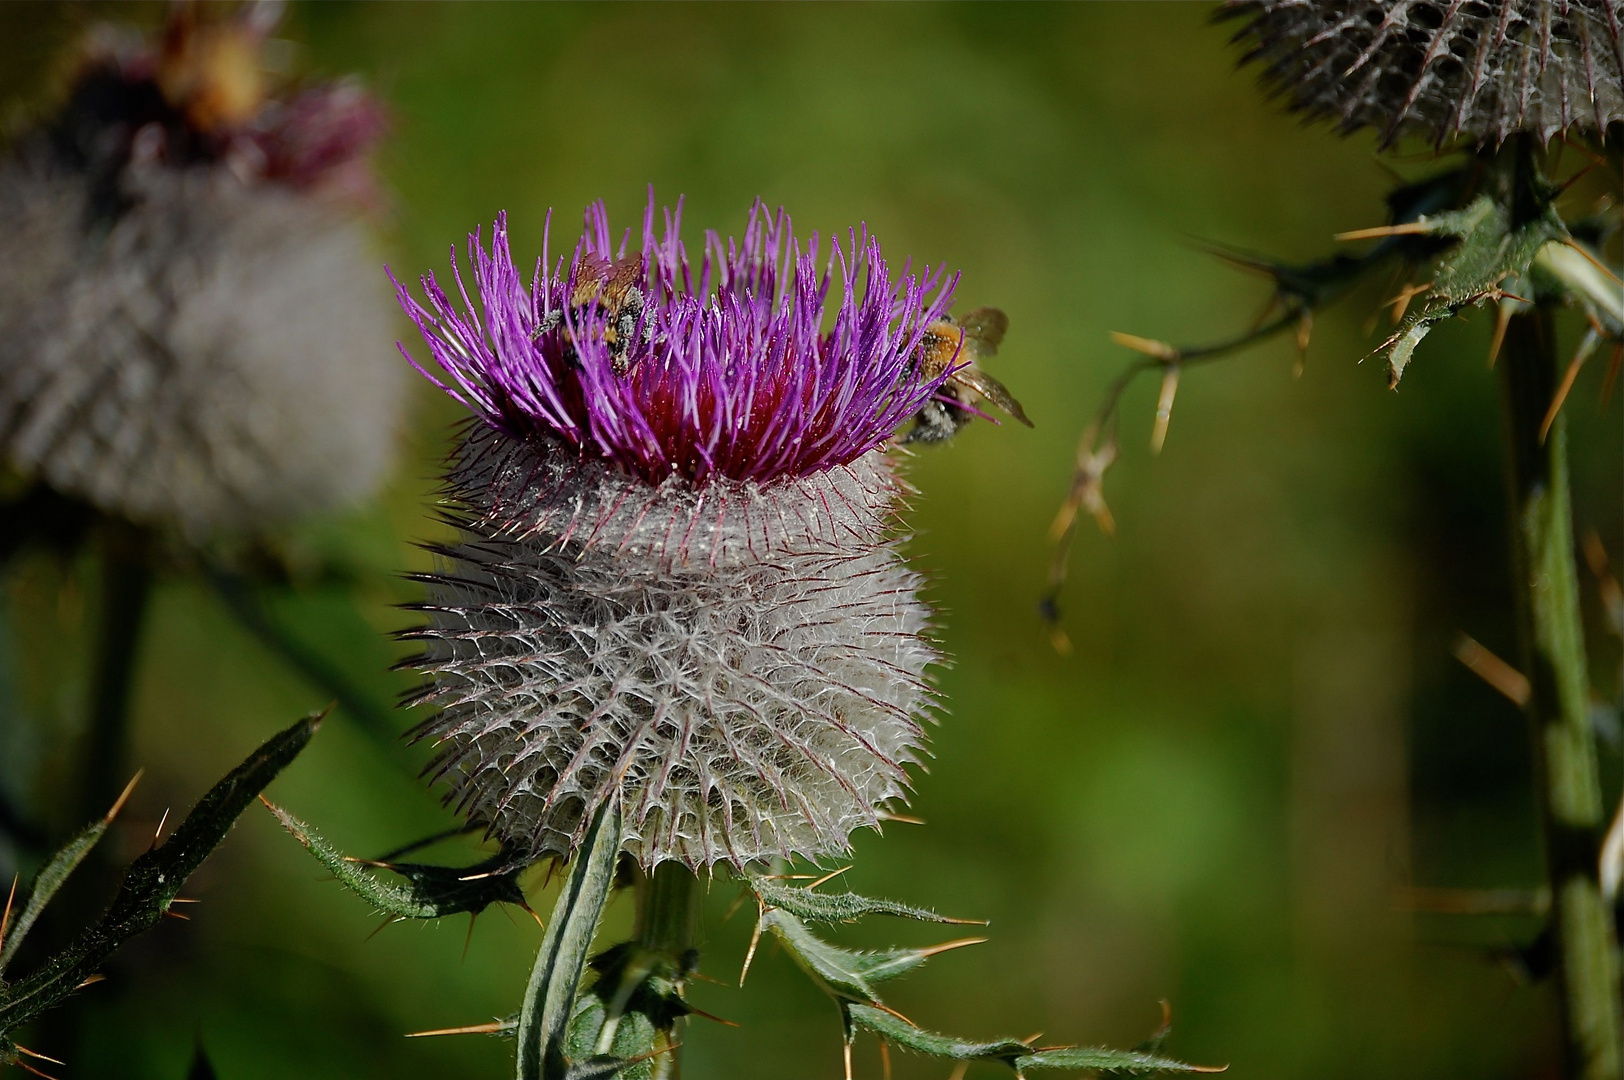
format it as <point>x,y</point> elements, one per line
<point>899,1032</point>
<point>1491,249</point>
<point>428,892</point>
<point>812,906</point>
<point>838,972</point>
<point>153,880</point>
<point>849,977</point>
<point>1108,1062</point>
<point>550,995</point>
<point>1016,1054</point>
<point>51,877</point>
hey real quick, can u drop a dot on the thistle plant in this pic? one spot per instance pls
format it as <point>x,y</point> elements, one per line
<point>675,636</point>
<point>184,288</point>
<point>149,891</point>
<point>189,328</point>
<point>1488,86</point>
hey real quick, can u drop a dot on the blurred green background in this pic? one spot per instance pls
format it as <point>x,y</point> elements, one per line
<point>1260,736</point>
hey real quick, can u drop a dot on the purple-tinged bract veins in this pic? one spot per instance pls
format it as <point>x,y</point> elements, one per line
<point>727,372</point>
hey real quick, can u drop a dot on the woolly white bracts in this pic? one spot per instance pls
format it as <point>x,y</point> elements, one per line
<point>1483,69</point>
<point>210,353</point>
<point>745,662</point>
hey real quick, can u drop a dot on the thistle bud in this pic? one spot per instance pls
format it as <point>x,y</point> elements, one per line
<point>1482,70</point>
<point>677,575</point>
<point>184,289</point>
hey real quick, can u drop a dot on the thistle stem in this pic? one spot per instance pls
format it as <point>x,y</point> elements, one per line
<point>668,922</point>
<point>126,582</point>
<point>1566,777</point>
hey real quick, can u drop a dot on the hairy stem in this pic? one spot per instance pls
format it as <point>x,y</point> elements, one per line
<point>1566,778</point>
<point>668,922</point>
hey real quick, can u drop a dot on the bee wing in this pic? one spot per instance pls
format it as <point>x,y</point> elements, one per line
<point>993,390</point>
<point>625,277</point>
<point>984,330</point>
<point>590,276</point>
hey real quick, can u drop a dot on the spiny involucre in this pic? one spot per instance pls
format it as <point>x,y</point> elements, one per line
<point>678,576</point>
<point>1483,69</point>
<point>189,331</point>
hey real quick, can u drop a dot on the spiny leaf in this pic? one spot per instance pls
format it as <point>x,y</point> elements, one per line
<point>46,883</point>
<point>894,1029</point>
<point>1109,1062</point>
<point>816,907</point>
<point>154,880</point>
<point>846,974</point>
<point>549,998</point>
<point>1016,1054</point>
<point>880,966</point>
<point>429,892</point>
<point>838,972</point>
<point>1491,250</point>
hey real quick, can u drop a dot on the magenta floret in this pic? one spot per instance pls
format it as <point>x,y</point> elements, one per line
<point>728,374</point>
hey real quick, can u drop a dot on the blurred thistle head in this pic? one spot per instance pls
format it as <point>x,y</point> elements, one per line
<point>1482,70</point>
<point>188,324</point>
<point>678,577</point>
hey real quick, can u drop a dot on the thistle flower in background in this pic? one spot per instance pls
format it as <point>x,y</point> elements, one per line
<point>185,299</point>
<point>678,574</point>
<point>1437,71</point>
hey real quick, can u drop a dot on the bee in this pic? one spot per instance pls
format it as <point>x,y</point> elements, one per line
<point>612,291</point>
<point>968,341</point>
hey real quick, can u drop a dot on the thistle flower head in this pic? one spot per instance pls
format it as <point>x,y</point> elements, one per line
<point>677,575</point>
<point>1483,70</point>
<point>183,300</point>
<point>724,371</point>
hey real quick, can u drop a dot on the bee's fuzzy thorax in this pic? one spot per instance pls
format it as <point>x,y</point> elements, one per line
<point>677,572</point>
<point>1481,70</point>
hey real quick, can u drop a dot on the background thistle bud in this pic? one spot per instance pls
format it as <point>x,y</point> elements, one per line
<point>678,573</point>
<point>1435,70</point>
<point>184,293</point>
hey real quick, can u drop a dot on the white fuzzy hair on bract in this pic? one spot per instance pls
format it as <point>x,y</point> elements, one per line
<point>211,356</point>
<point>745,662</point>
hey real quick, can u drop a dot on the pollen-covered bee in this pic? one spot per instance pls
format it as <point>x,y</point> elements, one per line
<point>980,333</point>
<point>610,290</point>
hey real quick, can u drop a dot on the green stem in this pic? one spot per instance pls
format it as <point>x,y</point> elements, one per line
<point>125,585</point>
<point>1566,777</point>
<point>668,902</point>
<point>126,582</point>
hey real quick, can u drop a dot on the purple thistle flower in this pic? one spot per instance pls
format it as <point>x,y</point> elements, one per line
<point>743,383</point>
<point>677,575</point>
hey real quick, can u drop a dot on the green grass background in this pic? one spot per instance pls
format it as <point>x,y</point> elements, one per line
<point>1260,735</point>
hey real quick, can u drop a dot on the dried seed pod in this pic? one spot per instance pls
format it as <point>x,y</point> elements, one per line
<point>1482,69</point>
